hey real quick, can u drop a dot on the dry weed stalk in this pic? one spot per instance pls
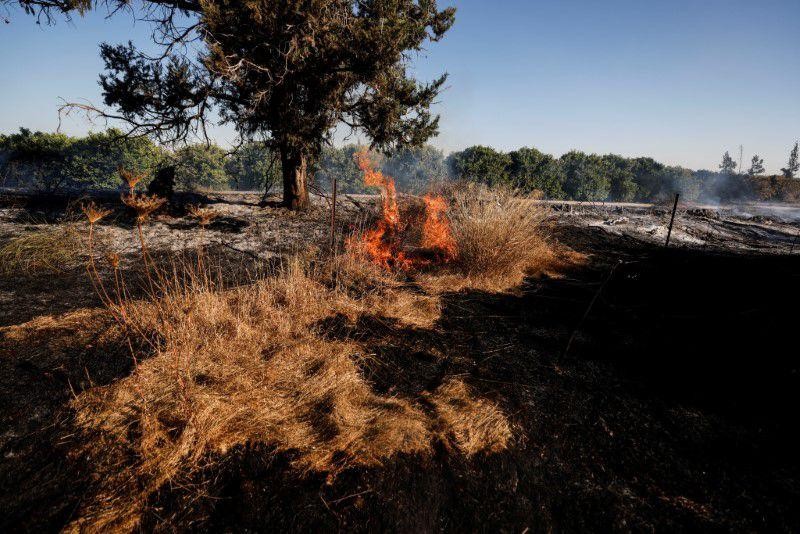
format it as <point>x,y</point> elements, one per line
<point>113,260</point>
<point>130,178</point>
<point>120,289</point>
<point>204,216</point>
<point>144,206</point>
<point>94,214</point>
<point>117,304</point>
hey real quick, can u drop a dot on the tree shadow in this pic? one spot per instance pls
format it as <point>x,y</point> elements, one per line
<point>41,370</point>
<point>672,410</point>
<point>227,224</point>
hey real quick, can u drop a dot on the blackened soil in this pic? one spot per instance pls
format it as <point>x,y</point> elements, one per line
<point>673,410</point>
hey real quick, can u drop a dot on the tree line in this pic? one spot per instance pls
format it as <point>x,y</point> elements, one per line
<point>288,73</point>
<point>577,175</point>
<point>53,161</point>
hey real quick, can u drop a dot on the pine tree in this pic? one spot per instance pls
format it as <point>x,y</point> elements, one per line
<point>793,166</point>
<point>756,166</point>
<point>284,72</point>
<point>728,166</point>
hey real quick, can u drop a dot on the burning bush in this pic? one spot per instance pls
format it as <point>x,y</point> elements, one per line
<point>387,243</point>
<point>489,237</point>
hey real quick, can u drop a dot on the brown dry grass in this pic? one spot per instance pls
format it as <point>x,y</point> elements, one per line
<point>250,365</point>
<point>51,249</point>
<point>501,237</point>
<point>53,338</point>
<point>498,232</point>
<point>220,367</point>
<point>468,420</point>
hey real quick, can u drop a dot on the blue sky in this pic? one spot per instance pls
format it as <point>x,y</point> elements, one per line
<point>681,81</point>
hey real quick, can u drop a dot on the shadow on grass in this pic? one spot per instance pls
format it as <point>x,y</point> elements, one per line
<point>672,410</point>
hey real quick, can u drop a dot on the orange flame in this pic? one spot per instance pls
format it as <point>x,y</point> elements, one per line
<point>376,178</point>
<point>436,234</point>
<point>382,244</point>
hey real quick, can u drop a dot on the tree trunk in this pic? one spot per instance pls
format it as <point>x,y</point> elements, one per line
<point>163,185</point>
<point>294,165</point>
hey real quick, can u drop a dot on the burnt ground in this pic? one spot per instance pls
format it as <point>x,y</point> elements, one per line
<point>673,409</point>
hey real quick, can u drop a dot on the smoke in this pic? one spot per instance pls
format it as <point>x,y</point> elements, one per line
<point>765,210</point>
<point>718,188</point>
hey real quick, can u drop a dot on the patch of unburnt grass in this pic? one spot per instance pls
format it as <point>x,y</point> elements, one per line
<point>45,250</point>
<point>500,237</point>
<point>233,367</point>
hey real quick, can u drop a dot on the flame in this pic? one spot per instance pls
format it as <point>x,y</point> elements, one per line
<point>382,244</point>
<point>376,178</point>
<point>436,233</point>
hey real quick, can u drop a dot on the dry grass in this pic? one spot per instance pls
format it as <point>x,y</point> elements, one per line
<point>263,363</point>
<point>380,291</point>
<point>52,249</point>
<point>473,424</point>
<point>500,238</point>
<point>251,365</point>
<point>53,338</point>
<point>498,232</point>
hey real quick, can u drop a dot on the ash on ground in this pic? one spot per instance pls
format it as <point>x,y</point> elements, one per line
<point>768,228</point>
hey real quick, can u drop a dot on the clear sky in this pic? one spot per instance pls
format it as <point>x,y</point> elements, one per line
<point>679,80</point>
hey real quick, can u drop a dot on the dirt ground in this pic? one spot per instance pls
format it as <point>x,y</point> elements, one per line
<point>653,389</point>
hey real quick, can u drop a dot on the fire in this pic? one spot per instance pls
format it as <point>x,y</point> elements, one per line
<point>376,178</point>
<point>382,244</point>
<point>436,234</point>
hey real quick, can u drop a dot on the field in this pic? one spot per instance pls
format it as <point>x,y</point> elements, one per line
<point>617,385</point>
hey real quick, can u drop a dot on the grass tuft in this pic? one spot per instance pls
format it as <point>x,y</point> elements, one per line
<point>52,249</point>
<point>498,232</point>
<point>230,368</point>
<point>500,238</point>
